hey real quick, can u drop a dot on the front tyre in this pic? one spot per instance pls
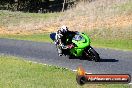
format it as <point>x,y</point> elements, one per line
<point>92,54</point>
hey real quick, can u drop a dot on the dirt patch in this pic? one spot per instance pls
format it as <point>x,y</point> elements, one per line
<point>2,30</point>
<point>85,23</point>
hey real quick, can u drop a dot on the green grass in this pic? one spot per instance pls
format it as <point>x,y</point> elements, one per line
<point>115,43</point>
<point>111,38</point>
<point>33,37</point>
<point>124,44</point>
<point>18,73</point>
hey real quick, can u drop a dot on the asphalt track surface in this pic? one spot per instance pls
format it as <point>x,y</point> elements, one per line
<point>112,61</point>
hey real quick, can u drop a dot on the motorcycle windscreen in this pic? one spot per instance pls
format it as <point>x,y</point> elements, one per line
<point>52,36</point>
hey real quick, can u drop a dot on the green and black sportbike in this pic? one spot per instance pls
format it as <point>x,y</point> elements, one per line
<point>80,47</point>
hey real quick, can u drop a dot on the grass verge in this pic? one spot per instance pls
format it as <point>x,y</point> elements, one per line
<point>31,37</point>
<point>104,43</point>
<point>114,44</point>
<point>18,73</point>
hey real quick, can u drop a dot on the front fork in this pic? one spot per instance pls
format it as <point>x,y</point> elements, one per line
<point>87,50</point>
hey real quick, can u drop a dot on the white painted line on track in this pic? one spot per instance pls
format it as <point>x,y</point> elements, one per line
<point>85,72</point>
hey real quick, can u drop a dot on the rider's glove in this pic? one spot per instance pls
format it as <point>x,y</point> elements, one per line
<point>70,46</point>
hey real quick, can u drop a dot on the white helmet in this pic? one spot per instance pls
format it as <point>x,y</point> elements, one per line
<point>64,29</point>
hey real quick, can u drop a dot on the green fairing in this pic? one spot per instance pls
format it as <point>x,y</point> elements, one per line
<point>81,45</point>
<point>78,45</point>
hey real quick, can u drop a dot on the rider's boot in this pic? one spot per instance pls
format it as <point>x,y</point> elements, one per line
<point>59,52</point>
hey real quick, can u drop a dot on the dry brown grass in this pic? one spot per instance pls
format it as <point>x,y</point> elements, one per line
<point>99,14</point>
<point>107,17</point>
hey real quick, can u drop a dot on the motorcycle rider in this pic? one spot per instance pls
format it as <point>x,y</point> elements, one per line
<point>61,38</point>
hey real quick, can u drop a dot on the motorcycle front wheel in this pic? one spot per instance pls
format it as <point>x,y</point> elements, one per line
<point>92,54</point>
